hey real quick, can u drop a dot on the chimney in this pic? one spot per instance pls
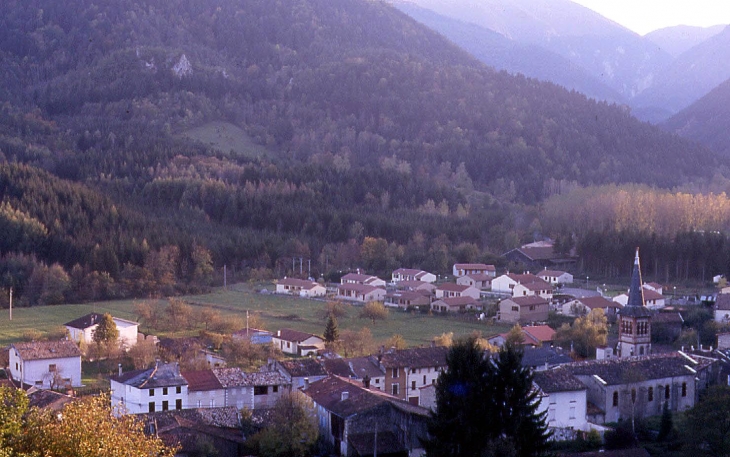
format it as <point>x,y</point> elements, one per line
<point>366,382</point>
<point>278,333</point>
<point>120,369</point>
<point>345,395</point>
<point>306,383</point>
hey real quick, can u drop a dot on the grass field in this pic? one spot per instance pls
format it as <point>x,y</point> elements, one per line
<point>274,310</point>
<point>227,138</point>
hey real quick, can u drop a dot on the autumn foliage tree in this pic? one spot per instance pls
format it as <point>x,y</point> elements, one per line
<point>586,334</point>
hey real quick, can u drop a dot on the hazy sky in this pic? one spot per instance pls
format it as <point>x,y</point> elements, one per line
<point>644,16</point>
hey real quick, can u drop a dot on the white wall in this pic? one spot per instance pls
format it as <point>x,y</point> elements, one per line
<point>136,401</point>
<point>34,371</point>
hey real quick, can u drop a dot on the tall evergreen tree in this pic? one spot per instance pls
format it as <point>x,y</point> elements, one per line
<point>106,332</point>
<point>462,420</point>
<point>518,402</point>
<point>486,406</point>
<point>331,331</point>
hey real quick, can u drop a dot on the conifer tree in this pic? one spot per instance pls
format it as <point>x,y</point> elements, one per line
<point>486,407</point>
<point>331,332</point>
<point>106,332</point>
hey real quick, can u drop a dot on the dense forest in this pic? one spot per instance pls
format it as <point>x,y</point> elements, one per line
<point>385,145</point>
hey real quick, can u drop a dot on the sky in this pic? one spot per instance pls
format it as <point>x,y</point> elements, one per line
<point>644,16</point>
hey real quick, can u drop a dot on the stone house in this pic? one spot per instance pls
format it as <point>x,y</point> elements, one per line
<point>297,372</point>
<point>357,420</point>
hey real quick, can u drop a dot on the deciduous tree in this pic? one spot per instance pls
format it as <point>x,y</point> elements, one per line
<point>294,428</point>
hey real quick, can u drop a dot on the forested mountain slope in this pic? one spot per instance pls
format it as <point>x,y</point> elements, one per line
<point>386,144</point>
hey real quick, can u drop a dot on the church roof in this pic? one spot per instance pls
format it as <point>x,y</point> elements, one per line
<point>635,305</point>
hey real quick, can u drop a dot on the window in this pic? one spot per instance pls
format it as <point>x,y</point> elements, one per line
<point>395,389</point>
<point>572,412</point>
<point>516,309</point>
<point>684,389</point>
<point>413,385</point>
<point>424,380</point>
<point>274,389</point>
<point>532,307</point>
<point>52,367</point>
<point>178,403</point>
<point>178,390</point>
<point>288,344</point>
<point>551,415</point>
<point>377,381</point>
<point>413,371</point>
<point>633,395</point>
<point>395,372</point>
<point>165,405</point>
<point>615,399</point>
<point>650,394</point>
<point>260,390</point>
<point>666,392</point>
<point>152,392</point>
<point>641,350</point>
<point>164,391</point>
<point>152,407</point>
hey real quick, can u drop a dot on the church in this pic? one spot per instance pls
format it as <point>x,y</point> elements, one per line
<point>634,319</point>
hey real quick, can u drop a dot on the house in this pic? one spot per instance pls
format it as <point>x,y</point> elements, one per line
<point>300,287</point>
<point>295,342</point>
<point>652,299</point>
<point>365,280</point>
<point>656,287</point>
<point>539,288</point>
<point>188,428</point>
<point>507,282</point>
<point>723,341</point>
<point>49,400</point>
<point>563,397</point>
<point>544,358</point>
<point>256,390</point>
<point>298,372</point>
<point>367,367</point>
<point>408,369</point>
<point>406,299</point>
<point>420,286</point>
<point>722,308</point>
<point>160,388</point>
<point>479,280</point>
<point>622,388</point>
<point>555,277</point>
<point>531,308</point>
<point>204,389</point>
<point>463,269</point>
<point>46,364</point>
<point>253,335</point>
<point>584,305</point>
<point>533,335</point>
<point>409,274</point>
<point>539,255</point>
<point>455,305</point>
<point>356,420</point>
<point>81,330</point>
<point>448,290</point>
<point>359,292</point>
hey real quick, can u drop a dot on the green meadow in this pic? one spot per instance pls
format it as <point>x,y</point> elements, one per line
<point>275,311</point>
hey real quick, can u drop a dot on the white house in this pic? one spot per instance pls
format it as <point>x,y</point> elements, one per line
<point>410,274</point>
<point>479,280</point>
<point>448,290</point>
<point>46,364</point>
<point>301,287</point>
<point>652,299</point>
<point>539,288</point>
<point>563,397</point>
<point>366,280</point>
<point>722,308</point>
<point>556,277</point>
<point>161,388</point>
<point>82,329</point>
<point>297,343</point>
<point>360,292</point>
<point>585,305</point>
<point>507,282</point>
<point>463,269</point>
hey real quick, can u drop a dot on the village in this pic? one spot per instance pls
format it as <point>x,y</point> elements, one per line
<point>383,400</point>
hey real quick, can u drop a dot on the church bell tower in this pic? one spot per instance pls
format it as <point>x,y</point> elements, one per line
<point>634,331</point>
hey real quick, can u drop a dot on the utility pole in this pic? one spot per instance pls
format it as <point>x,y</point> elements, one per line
<point>300,265</point>
<point>11,303</point>
<point>309,268</point>
<point>225,277</point>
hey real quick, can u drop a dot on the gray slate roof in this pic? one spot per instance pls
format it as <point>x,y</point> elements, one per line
<point>39,350</point>
<point>621,371</point>
<point>162,375</point>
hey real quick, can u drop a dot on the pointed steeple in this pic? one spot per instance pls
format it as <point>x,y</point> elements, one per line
<point>636,292</point>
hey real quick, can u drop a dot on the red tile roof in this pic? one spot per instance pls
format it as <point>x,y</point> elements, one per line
<point>542,333</point>
<point>474,266</point>
<point>201,380</point>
